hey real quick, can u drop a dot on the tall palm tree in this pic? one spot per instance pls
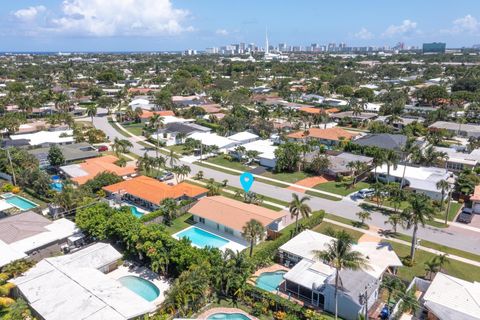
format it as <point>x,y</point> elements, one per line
<point>394,220</point>
<point>172,158</point>
<point>444,186</point>
<point>392,284</point>
<point>340,255</point>
<point>145,163</point>
<point>357,167</point>
<point>92,111</point>
<point>364,215</point>
<point>298,207</point>
<point>156,123</point>
<point>419,210</point>
<point>378,160</point>
<point>391,160</point>
<point>253,231</point>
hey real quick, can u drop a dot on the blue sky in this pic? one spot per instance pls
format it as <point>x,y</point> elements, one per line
<point>117,25</point>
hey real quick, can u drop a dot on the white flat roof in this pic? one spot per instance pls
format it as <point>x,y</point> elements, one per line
<point>243,136</point>
<point>422,178</point>
<point>42,137</point>
<point>264,147</point>
<point>212,139</point>
<point>9,254</point>
<point>55,288</point>
<point>453,298</point>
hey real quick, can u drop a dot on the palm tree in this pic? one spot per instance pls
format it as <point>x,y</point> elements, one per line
<point>145,163</point>
<point>391,160</point>
<point>442,260</point>
<point>213,188</point>
<point>156,122</point>
<point>444,186</point>
<point>417,213</point>
<point>253,231</point>
<point>92,111</point>
<point>394,220</point>
<point>172,158</point>
<point>298,207</point>
<point>364,215</point>
<point>431,268</point>
<point>240,151</point>
<point>170,210</point>
<point>357,167</point>
<point>340,255</point>
<point>392,284</point>
<point>378,160</point>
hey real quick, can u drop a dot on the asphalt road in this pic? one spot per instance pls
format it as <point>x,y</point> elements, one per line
<point>452,236</point>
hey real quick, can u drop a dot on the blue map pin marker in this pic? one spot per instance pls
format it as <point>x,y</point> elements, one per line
<point>246,179</point>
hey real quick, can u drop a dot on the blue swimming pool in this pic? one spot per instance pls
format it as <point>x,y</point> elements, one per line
<point>202,238</point>
<point>228,316</point>
<point>269,281</point>
<point>135,212</point>
<point>56,186</point>
<point>144,288</point>
<point>19,202</point>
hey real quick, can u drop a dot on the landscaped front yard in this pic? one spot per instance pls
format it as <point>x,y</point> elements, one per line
<point>290,177</point>
<point>341,188</point>
<point>222,161</point>
<point>134,128</point>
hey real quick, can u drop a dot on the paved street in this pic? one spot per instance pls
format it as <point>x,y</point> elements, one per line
<point>452,236</point>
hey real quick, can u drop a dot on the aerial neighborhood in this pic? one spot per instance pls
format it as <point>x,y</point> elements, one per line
<point>242,182</point>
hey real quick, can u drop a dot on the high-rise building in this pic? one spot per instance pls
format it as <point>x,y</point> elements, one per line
<point>212,50</point>
<point>282,47</point>
<point>332,47</point>
<point>434,47</point>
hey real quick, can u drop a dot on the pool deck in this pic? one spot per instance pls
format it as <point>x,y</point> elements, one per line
<point>234,244</point>
<point>212,311</point>
<point>273,268</point>
<point>141,272</point>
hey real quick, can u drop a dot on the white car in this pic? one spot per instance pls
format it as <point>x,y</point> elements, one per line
<point>365,193</point>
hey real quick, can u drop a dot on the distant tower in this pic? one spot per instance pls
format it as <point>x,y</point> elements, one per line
<point>266,42</point>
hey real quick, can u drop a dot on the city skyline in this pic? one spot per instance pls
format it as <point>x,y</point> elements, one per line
<point>175,25</point>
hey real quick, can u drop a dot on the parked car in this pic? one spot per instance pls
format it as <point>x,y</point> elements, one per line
<point>166,176</point>
<point>465,216</point>
<point>365,193</point>
<point>102,148</point>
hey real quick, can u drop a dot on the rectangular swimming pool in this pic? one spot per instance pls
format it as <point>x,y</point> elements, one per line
<point>202,238</point>
<point>19,202</point>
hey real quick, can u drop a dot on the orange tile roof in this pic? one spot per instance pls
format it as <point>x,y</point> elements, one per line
<point>98,165</point>
<point>311,110</point>
<point>326,134</point>
<point>332,110</point>
<point>154,191</point>
<point>139,90</point>
<point>211,108</point>
<point>476,194</point>
<point>149,114</point>
<point>232,213</point>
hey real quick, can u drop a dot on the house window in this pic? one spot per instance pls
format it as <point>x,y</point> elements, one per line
<point>228,230</point>
<point>202,220</point>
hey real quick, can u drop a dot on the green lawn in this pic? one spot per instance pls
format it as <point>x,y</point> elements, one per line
<point>178,148</point>
<point>206,165</point>
<point>454,208</point>
<point>290,177</point>
<point>346,221</point>
<point>180,223</point>
<point>222,161</point>
<point>134,128</point>
<point>324,227</point>
<point>341,188</point>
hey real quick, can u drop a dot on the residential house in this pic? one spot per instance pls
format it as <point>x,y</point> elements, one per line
<point>244,137</point>
<point>146,115</point>
<point>77,286</point>
<point>387,141</point>
<point>71,153</point>
<point>82,172</point>
<point>188,101</point>
<point>213,139</point>
<point>313,281</point>
<point>459,160</point>
<point>329,136</point>
<point>450,298</point>
<point>176,132</point>
<point>418,179</point>
<point>401,122</point>
<point>149,193</point>
<point>475,199</point>
<point>339,162</point>
<point>28,234</point>
<point>361,117</point>
<point>266,152</point>
<point>465,130</point>
<point>46,138</point>
<point>230,216</point>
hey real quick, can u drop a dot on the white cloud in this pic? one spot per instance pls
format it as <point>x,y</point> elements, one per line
<point>364,34</point>
<point>465,24</point>
<point>29,14</point>
<point>407,27</point>
<point>222,32</point>
<point>112,18</point>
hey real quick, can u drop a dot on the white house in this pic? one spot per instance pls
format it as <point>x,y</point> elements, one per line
<point>313,281</point>
<point>449,298</point>
<point>244,137</point>
<point>213,139</point>
<point>76,286</point>
<point>266,152</point>
<point>419,179</point>
<point>46,138</point>
<point>26,233</point>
